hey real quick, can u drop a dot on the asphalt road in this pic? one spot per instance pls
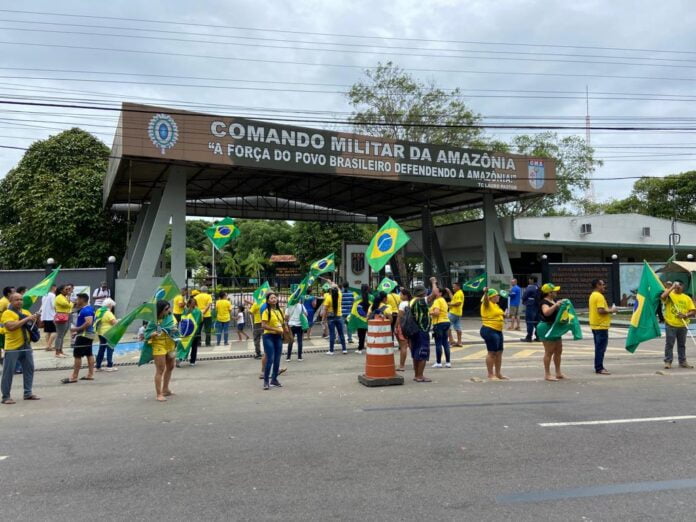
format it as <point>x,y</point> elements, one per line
<point>324,447</point>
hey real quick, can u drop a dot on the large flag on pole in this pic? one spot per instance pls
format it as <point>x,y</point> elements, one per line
<point>40,289</point>
<point>301,290</point>
<point>477,284</point>
<point>566,321</point>
<point>261,292</point>
<point>167,290</point>
<point>144,312</point>
<point>644,325</point>
<point>388,239</point>
<point>222,232</point>
<point>325,264</point>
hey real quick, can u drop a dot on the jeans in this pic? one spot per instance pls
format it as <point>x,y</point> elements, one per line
<point>673,333</point>
<point>601,339</point>
<point>273,347</point>
<point>440,332</point>
<point>23,355</point>
<point>207,326</point>
<point>297,333</point>
<point>257,332</point>
<point>531,317</point>
<point>344,323</point>
<point>105,348</point>
<point>222,329</point>
<point>362,334</point>
<point>195,343</point>
<point>336,324</point>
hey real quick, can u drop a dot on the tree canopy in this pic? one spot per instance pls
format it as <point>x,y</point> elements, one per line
<point>51,205</point>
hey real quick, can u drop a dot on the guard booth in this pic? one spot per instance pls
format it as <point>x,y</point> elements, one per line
<point>682,271</point>
<point>167,164</point>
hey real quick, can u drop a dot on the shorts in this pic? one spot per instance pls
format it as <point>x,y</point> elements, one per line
<point>514,311</point>
<point>493,339</point>
<point>240,326</point>
<point>420,346</point>
<point>83,347</point>
<point>456,322</point>
<point>544,327</point>
<point>49,327</point>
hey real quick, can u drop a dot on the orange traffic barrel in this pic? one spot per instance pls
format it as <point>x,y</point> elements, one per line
<point>380,369</point>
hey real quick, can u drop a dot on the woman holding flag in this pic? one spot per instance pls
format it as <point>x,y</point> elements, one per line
<point>553,345</point>
<point>160,336</point>
<point>492,323</point>
<point>105,319</point>
<point>273,323</point>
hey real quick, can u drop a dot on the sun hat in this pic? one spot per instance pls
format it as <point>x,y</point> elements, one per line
<point>419,291</point>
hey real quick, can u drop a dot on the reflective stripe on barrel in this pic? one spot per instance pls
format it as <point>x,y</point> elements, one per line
<point>379,362</point>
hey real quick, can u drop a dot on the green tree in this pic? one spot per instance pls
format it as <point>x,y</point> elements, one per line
<point>51,205</point>
<point>255,262</point>
<point>312,240</point>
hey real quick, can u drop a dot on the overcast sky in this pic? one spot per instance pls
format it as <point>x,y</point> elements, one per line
<point>647,81</point>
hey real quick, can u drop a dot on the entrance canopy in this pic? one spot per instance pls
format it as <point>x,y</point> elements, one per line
<point>248,168</point>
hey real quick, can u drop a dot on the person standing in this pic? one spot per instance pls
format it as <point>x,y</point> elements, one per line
<point>420,341</point>
<point>17,348</point>
<point>240,324</point>
<point>4,304</point>
<point>553,345</point>
<point>204,302</point>
<point>160,335</point>
<point>492,323</point>
<point>223,309</point>
<point>273,323</point>
<point>400,336</point>
<point>179,303</point>
<point>310,304</point>
<point>100,294</point>
<point>362,310</point>
<point>456,310</point>
<point>84,337</point>
<point>346,308</point>
<point>48,312</point>
<point>64,308</point>
<point>332,315</point>
<point>530,298</point>
<point>441,326</point>
<point>679,308</point>
<point>600,320</point>
<point>515,298</point>
<point>257,329</point>
<point>293,316</point>
<point>105,319</point>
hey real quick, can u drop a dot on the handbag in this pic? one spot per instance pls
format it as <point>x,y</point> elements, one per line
<point>288,337</point>
<point>61,318</point>
<point>33,330</point>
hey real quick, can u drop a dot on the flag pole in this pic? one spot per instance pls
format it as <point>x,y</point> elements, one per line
<point>689,331</point>
<point>214,271</point>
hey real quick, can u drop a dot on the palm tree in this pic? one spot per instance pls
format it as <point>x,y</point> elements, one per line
<point>254,263</point>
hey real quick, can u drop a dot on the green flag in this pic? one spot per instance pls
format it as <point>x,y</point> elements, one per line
<point>261,292</point>
<point>167,327</point>
<point>325,264</point>
<point>39,290</point>
<point>356,320</point>
<point>167,289</point>
<point>644,325</point>
<point>566,321</point>
<point>144,312</point>
<point>388,239</point>
<point>477,284</point>
<point>188,327</point>
<point>387,285</point>
<point>301,290</point>
<point>222,232</point>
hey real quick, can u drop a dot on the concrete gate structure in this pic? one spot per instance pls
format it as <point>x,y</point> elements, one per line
<point>167,164</point>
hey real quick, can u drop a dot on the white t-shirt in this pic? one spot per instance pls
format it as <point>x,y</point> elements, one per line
<point>403,305</point>
<point>48,307</point>
<point>99,295</point>
<point>240,318</point>
<point>295,313</point>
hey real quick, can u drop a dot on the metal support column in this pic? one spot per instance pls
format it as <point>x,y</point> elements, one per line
<point>494,241</point>
<point>427,231</point>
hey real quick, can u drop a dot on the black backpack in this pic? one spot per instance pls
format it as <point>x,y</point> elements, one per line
<point>409,326</point>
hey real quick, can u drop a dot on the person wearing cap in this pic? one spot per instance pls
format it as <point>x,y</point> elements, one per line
<point>441,326</point>
<point>104,320</point>
<point>420,341</point>
<point>456,309</point>
<point>204,301</point>
<point>679,308</point>
<point>492,325</point>
<point>600,320</point>
<point>553,346</point>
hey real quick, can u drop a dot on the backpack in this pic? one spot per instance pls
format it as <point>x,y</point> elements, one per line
<point>409,326</point>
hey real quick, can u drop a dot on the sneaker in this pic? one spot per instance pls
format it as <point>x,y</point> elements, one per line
<point>448,365</point>
<point>112,369</point>
<point>99,369</point>
<point>257,356</point>
<point>178,364</point>
<point>437,365</point>
<point>350,341</point>
<point>192,365</point>
<point>346,351</point>
<point>685,365</point>
<point>330,353</point>
<point>668,365</point>
<point>359,351</point>
<point>276,384</point>
<point>300,359</point>
<point>287,359</point>
<point>265,386</point>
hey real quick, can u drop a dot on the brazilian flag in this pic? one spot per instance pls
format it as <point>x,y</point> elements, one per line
<point>222,232</point>
<point>167,289</point>
<point>644,325</point>
<point>325,264</point>
<point>566,321</point>
<point>477,284</point>
<point>188,327</point>
<point>301,290</point>
<point>388,239</point>
<point>356,319</point>
<point>144,312</point>
<point>41,289</point>
<point>387,285</point>
<point>261,292</point>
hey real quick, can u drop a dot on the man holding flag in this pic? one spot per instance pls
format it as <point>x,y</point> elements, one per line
<point>679,308</point>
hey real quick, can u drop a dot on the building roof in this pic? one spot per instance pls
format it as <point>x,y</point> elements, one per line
<point>283,258</point>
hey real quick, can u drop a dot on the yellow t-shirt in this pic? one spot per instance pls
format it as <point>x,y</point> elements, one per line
<point>441,305</point>
<point>599,321</point>
<point>63,304</point>
<point>328,303</point>
<point>14,339</point>
<point>223,308</point>
<point>4,304</point>
<point>387,310</point>
<point>674,304</point>
<point>105,322</point>
<point>203,300</point>
<point>178,304</point>
<point>393,301</point>
<point>273,318</point>
<point>255,312</point>
<point>457,303</point>
<point>492,316</point>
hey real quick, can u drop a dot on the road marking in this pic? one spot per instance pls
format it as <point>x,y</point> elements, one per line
<point>524,353</point>
<point>616,421</point>
<point>462,405</point>
<point>477,355</point>
<point>3,457</point>
<point>596,491</point>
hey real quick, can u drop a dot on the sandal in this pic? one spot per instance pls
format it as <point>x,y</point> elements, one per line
<point>85,378</point>
<point>67,381</point>
<point>8,401</point>
<point>401,369</point>
<point>32,398</point>
<point>424,379</point>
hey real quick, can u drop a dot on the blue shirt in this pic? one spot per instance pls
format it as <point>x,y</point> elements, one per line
<point>347,303</point>
<point>515,295</point>
<point>84,313</point>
